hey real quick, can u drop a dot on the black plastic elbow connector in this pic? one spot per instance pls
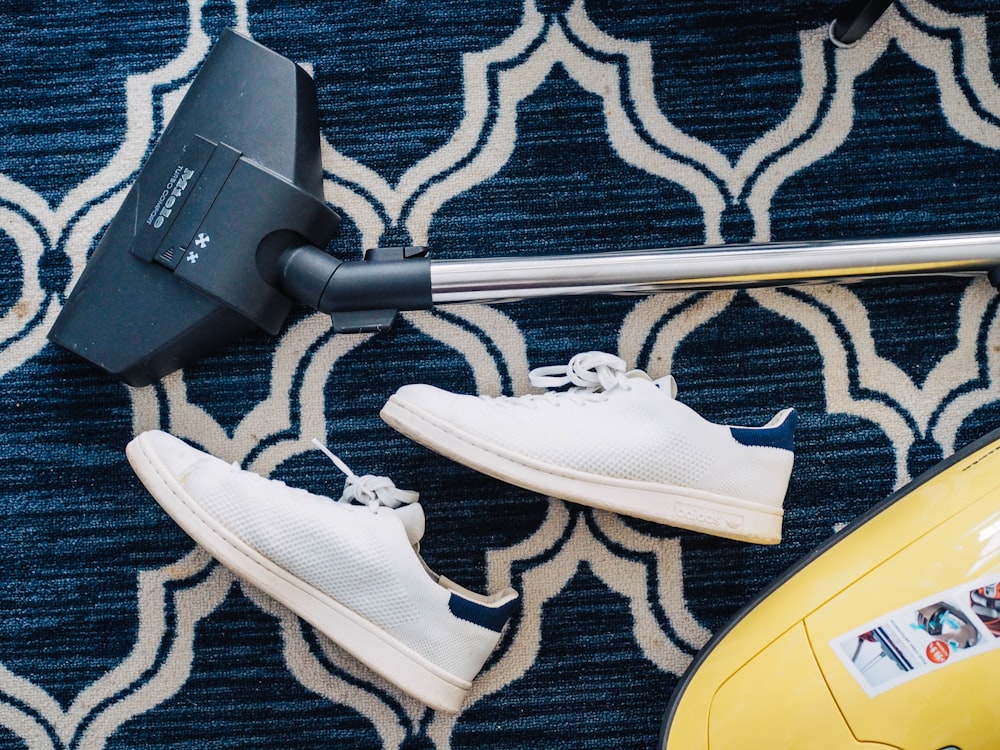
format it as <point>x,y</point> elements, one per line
<point>359,296</point>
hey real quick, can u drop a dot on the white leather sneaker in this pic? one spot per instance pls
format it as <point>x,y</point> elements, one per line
<point>616,440</point>
<point>349,567</point>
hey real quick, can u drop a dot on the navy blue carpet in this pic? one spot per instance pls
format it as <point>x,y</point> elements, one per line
<point>482,128</point>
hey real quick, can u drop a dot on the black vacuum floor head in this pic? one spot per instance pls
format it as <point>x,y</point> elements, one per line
<point>189,261</point>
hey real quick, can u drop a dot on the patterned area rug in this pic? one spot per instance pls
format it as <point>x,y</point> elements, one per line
<point>490,127</point>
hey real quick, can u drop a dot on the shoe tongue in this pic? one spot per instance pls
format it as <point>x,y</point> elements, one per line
<point>412,518</point>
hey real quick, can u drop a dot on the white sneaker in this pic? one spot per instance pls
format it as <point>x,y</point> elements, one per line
<point>349,567</point>
<point>616,440</point>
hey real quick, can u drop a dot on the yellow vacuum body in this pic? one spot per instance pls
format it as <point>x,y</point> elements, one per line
<point>886,637</point>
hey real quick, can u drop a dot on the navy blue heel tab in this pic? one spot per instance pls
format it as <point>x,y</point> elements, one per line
<point>492,618</point>
<point>781,435</point>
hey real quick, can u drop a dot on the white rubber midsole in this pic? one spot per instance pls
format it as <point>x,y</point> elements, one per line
<point>719,515</point>
<point>367,642</point>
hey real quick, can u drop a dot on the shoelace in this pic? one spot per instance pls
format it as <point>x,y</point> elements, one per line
<point>591,375</point>
<point>369,489</point>
<point>589,370</point>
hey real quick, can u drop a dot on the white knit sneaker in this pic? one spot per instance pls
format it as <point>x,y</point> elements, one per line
<point>616,440</point>
<point>349,567</point>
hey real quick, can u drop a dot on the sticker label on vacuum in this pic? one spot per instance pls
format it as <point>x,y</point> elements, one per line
<point>925,636</point>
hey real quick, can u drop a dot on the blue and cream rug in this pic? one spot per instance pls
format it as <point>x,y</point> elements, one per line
<point>486,127</point>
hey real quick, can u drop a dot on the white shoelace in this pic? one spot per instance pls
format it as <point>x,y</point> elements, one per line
<point>369,489</point>
<point>592,376</point>
<point>590,371</point>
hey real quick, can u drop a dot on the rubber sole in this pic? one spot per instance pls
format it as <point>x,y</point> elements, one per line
<point>378,650</point>
<point>707,512</point>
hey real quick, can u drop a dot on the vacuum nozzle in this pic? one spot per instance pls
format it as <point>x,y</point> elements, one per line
<point>190,261</point>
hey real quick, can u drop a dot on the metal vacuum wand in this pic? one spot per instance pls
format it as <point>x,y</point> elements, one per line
<point>366,295</point>
<point>720,267</point>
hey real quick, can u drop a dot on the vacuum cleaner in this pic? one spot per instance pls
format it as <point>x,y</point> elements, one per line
<point>225,231</point>
<point>885,637</point>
